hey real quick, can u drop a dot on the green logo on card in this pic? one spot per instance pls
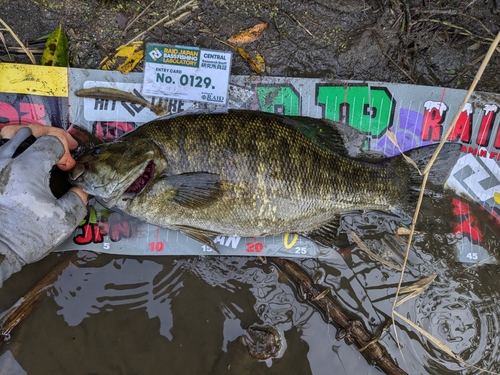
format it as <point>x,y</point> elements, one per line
<point>174,55</point>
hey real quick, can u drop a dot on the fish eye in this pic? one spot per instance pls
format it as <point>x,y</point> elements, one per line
<point>95,151</point>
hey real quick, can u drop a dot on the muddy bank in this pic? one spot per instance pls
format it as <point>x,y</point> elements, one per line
<point>391,41</point>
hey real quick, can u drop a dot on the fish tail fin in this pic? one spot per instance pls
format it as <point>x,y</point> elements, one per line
<point>441,168</point>
<point>438,174</point>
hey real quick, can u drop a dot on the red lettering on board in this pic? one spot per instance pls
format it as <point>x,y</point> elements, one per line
<point>462,130</point>
<point>483,137</point>
<point>466,224</point>
<point>434,114</point>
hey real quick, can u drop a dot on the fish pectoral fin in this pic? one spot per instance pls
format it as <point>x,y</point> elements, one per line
<point>328,234</point>
<point>199,235</point>
<point>195,189</point>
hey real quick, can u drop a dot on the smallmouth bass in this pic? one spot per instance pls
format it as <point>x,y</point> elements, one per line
<point>250,174</point>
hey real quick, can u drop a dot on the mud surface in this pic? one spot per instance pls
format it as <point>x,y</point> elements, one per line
<point>429,43</point>
<point>159,315</point>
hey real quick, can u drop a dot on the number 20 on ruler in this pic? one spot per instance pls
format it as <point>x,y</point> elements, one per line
<point>254,247</point>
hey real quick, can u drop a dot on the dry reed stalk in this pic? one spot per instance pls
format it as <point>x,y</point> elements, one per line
<point>184,6</point>
<point>425,173</point>
<point>27,51</point>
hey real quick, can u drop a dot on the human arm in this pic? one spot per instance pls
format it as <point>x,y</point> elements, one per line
<point>32,220</point>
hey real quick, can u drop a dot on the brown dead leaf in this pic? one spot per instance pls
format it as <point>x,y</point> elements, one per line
<point>248,35</point>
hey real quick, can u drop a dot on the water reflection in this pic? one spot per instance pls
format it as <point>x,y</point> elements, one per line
<point>203,305</point>
<point>457,309</point>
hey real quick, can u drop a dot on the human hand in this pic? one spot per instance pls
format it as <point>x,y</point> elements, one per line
<point>33,220</point>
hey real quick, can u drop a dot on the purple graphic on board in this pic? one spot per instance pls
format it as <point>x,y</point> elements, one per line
<point>408,134</point>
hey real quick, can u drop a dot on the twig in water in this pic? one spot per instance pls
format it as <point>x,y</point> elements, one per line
<point>22,308</point>
<point>439,343</point>
<point>415,289</point>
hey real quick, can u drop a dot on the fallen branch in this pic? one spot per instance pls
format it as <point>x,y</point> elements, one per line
<point>25,305</point>
<point>355,330</point>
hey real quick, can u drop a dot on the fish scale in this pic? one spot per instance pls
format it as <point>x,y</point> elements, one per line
<point>246,173</point>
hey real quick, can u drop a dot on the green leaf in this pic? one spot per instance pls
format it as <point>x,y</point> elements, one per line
<point>56,49</point>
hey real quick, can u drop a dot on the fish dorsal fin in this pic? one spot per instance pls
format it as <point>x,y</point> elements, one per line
<point>329,135</point>
<point>194,189</point>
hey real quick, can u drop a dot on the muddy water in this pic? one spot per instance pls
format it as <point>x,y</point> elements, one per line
<point>164,315</point>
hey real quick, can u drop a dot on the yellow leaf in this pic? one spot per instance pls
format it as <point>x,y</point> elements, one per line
<point>260,61</point>
<point>248,35</point>
<point>125,58</point>
<point>258,65</point>
<point>56,49</point>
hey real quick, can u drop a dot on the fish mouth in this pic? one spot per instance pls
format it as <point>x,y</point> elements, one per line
<point>140,182</point>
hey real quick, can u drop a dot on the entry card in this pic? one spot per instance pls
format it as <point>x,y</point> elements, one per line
<point>187,73</point>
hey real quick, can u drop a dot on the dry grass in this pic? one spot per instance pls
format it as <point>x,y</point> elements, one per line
<point>26,50</point>
<point>425,173</point>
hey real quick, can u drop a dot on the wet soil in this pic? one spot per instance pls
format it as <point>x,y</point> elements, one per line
<point>429,43</point>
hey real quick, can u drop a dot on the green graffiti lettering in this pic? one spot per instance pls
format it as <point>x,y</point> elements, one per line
<point>279,99</point>
<point>369,109</point>
<point>105,215</point>
<point>92,215</point>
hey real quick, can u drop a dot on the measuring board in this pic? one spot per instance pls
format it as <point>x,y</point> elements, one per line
<point>417,115</point>
<point>117,233</point>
